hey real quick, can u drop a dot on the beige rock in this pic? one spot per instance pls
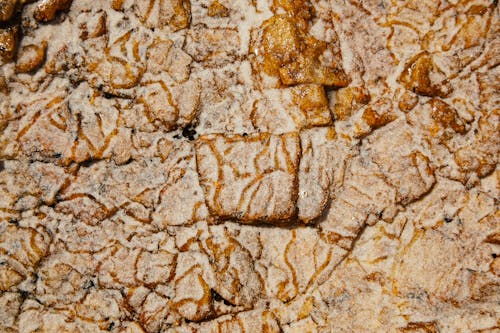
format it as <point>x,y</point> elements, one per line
<point>249,166</point>
<point>249,178</point>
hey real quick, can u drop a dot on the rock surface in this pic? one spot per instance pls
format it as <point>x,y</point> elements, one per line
<point>249,166</point>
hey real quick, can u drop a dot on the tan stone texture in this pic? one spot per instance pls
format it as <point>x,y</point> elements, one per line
<point>249,166</point>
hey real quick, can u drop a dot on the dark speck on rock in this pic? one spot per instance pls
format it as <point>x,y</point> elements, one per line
<point>89,284</point>
<point>107,95</point>
<point>24,294</point>
<point>189,133</point>
<point>218,298</point>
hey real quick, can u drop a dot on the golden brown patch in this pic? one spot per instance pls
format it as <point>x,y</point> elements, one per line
<point>494,238</point>
<point>46,10</point>
<point>117,4</point>
<point>291,53</point>
<point>4,87</point>
<point>407,101</point>
<point>31,57</point>
<point>8,43</point>
<point>427,327</point>
<point>174,13</point>
<point>447,116</point>
<point>376,120</point>
<point>7,9</point>
<point>422,76</point>
<point>182,14</point>
<point>348,100</point>
<point>312,101</point>
<point>94,29</point>
<point>217,9</point>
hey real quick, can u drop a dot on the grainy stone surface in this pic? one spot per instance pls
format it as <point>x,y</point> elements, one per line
<point>249,166</point>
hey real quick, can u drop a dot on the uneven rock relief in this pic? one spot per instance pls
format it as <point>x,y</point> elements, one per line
<point>249,166</point>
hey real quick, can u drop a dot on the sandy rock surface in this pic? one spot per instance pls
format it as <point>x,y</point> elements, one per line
<point>249,166</point>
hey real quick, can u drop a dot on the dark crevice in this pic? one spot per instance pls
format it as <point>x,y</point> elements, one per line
<point>90,162</point>
<point>108,95</point>
<point>189,133</point>
<point>14,222</point>
<point>218,298</point>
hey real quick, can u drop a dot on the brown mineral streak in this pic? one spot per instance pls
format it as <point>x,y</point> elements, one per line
<point>241,166</point>
<point>292,270</point>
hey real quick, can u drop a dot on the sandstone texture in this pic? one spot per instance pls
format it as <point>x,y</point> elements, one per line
<point>249,166</point>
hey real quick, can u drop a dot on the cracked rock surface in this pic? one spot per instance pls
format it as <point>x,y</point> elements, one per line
<point>249,166</point>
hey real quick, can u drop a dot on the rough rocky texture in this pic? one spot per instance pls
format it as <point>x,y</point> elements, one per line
<point>249,166</point>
